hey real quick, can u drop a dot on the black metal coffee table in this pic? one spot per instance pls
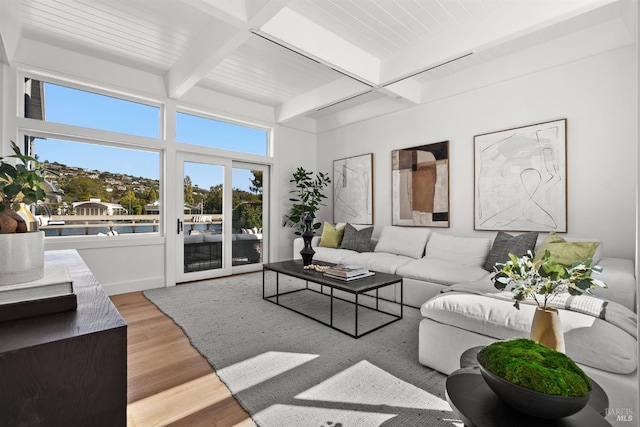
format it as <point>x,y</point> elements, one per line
<point>356,287</point>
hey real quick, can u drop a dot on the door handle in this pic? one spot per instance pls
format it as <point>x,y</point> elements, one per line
<point>179,226</point>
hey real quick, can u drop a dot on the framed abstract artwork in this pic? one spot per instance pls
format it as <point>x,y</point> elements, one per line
<point>420,185</point>
<point>521,178</point>
<point>353,189</point>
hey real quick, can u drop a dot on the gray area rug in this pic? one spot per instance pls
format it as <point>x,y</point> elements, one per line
<point>288,370</point>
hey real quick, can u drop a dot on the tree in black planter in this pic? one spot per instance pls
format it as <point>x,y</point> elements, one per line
<point>308,197</point>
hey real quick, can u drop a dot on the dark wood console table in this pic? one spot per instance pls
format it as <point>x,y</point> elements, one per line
<point>69,368</point>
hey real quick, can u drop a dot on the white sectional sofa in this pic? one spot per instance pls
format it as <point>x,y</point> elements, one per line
<point>444,277</point>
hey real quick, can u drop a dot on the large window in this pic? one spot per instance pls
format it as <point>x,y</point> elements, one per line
<point>223,135</point>
<point>95,187</point>
<point>61,104</point>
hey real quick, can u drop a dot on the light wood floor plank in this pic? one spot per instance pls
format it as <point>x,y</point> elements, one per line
<point>168,382</point>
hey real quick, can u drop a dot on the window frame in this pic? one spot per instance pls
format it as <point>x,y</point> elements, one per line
<point>234,155</point>
<point>126,239</point>
<point>74,133</point>
<point>97,89</point>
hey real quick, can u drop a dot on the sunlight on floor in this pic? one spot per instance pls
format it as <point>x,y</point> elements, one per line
<point>242,375</point>
<point>296,416</point>
<point>366,384</point>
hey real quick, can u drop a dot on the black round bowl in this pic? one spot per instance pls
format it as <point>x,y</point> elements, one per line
<point>532,402</point>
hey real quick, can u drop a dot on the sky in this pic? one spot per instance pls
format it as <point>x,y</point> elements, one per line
<point>75,107</point>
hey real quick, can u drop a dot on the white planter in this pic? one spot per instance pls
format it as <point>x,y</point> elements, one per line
<point>21,257</point>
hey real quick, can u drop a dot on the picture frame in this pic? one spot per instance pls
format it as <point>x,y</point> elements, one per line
<point>520,178</point>
<point>420,185</point>
<point>353,189</point>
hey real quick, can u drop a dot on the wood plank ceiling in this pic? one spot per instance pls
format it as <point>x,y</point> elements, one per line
<point>304,58</point>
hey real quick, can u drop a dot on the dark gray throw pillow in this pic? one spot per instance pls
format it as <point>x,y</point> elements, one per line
<point>504,244</point>
<point>356,240</point>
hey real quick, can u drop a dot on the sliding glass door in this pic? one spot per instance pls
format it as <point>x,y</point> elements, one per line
<point>222,212</point>
<point>250,213</point>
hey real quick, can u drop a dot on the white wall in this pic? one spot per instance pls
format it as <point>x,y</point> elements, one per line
<point>294,148</point>
<point>597,97</point>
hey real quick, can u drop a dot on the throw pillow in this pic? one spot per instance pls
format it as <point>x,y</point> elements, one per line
<point>463,250</point>
<point>357,240</point>
<point>505,244</point>
<point>564,252</point>
<point>403,241</point>
<point>331,236</point>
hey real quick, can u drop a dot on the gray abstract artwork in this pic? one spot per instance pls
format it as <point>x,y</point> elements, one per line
<point>521,179</point>
<point>353,189</point>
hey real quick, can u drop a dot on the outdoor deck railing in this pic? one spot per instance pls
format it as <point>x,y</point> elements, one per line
<point>92,224</point>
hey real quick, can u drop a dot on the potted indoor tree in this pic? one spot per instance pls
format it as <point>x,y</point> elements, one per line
<point>21,250</point>
<point>307,200</point>
<point>301,217</point>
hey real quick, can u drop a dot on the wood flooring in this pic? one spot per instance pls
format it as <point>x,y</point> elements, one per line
<point>168,382</point>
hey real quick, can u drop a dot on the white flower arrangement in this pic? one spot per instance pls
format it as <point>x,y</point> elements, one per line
<point>544,279</point>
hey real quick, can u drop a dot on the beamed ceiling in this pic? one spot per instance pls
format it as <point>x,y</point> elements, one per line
<point>311,59</point>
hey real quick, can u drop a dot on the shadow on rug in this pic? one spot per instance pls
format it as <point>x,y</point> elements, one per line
<point>288,370</point>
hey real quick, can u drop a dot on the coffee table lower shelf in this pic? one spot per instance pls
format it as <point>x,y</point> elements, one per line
<point>358,290</point>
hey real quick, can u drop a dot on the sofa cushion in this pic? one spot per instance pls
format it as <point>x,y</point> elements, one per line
<point>331,236</point>
<point>403,241</point>
<point>193,238</point>
<point>505,244</point>
<point>335,256</point>
<point>378,261</point>
<point>441,271</point>
<point>584,335</point>
<point>564,252</point>
<point>213,238</point>
<point>460,250</point>
<point>357,240</point>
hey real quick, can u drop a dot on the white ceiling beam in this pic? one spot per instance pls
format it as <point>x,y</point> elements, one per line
<point>505,23</point>
<point>233,12</point>
<point>408,89</point>
<point>331,93</point>
<point>310,39</point>
<point>10,29</point>
<point>216,42</point>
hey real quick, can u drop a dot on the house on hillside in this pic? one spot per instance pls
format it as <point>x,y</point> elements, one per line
<point>95,207</point>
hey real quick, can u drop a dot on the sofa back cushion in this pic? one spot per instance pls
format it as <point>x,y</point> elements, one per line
<point>357,240</point>
<point>505,244</point>
<point>403,241</point>
<point>464,250</point>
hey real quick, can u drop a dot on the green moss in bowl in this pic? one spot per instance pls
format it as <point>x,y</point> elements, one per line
<point>536,367</point>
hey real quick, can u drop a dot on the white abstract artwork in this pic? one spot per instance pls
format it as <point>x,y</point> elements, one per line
<point>521,179</point>
<point>353,189</point>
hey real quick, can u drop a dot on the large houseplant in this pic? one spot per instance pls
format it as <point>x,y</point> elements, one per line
<point>20,183</point>
<point>307,200</point>
<point>542,281</point>
<point>21,252</point>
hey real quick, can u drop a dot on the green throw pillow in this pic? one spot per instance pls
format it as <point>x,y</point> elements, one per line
<point>331,236</point>
<point>565,253</point>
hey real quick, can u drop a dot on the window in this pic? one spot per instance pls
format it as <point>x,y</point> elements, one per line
<point>198,130</point>
<point>97,189</point>
<point>61,104</point>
